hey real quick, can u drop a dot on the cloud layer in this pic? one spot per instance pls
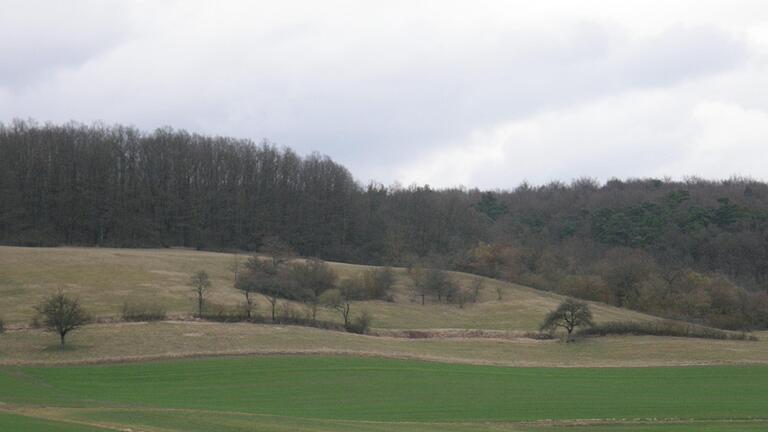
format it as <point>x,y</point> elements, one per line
<point>477,93</point>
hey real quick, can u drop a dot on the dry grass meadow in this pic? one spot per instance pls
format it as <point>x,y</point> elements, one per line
<point>105,279</point>
<point>120,342</point>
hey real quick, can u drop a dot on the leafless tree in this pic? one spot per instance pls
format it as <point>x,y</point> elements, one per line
<point>201,283</point>
<point>568,315</point>
<point>62,314</point>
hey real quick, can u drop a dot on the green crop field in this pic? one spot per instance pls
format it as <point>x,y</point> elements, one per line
<point>346,393</point>
<point>287,378</point>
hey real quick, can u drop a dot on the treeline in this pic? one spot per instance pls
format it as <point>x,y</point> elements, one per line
<point>693,249</point>
<point>98,185</point>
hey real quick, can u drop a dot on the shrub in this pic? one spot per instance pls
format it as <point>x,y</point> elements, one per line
<point>143,312</point>
<point>222,313</point>
<point>291,314</point>
<point>662,328</point>
<point>378,283</point>
<point>361,324</point>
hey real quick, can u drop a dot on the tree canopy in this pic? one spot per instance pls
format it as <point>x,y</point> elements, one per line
<point>689,249</point>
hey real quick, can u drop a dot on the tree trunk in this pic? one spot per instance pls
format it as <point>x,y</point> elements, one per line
<point>422,299</point>
<point>248,304</point>
<point>274,305</point>
<point>346,315</point>
<point>62,335</point>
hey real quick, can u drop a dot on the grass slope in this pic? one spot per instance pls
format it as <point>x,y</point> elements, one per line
<point>135,341</point>
<point>347,392</point>
<point>106,278</point>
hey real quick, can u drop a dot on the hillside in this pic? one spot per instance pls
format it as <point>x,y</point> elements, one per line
<point>132,342</point>
<point>105,279</point>
<point>694,250</point>
<point>138,376</point>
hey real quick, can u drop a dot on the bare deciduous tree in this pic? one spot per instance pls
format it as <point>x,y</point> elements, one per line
<point>234,267</point>
<point>341,299</point>
<point>201,284</point>
<point>311,279</point>
<point>568,315</point>
<point>266,277</point>
<point>248,288</point>
<point>62,314</point>
<point>432,281</point>
<point>378,283</point>
<point>477,285</point>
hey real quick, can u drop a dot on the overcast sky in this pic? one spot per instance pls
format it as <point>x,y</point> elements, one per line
<point>476,93</point>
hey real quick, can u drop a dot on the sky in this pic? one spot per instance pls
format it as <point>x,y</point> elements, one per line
<point>475,93</point>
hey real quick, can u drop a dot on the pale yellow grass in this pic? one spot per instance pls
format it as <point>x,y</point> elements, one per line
<point>167,340</point>
<point>106,278</point>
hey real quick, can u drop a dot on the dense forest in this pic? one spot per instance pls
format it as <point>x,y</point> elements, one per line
<point>693,249</point>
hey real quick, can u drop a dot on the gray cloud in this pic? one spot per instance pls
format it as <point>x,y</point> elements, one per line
<point>378,88</point>
<point>38,38</point>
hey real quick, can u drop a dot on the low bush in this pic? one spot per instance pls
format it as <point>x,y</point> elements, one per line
<point>662,328</point>
<point>222,313</point>
<point>361,324</point>
<point>309,322</point>
<point>143,312</point>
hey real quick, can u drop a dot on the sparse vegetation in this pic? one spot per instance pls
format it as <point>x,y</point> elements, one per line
<point>310,279</point>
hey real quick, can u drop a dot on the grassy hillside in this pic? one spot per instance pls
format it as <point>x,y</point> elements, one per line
<point>106,278</point>
<point>140,341</point>
<point>342,394</point>
<point>317,380</point>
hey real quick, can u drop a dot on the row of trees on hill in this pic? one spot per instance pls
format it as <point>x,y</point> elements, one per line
<point>278,276</point>
<point>692,249</point>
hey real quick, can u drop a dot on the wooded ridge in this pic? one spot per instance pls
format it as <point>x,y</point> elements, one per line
<point>694,249</point>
